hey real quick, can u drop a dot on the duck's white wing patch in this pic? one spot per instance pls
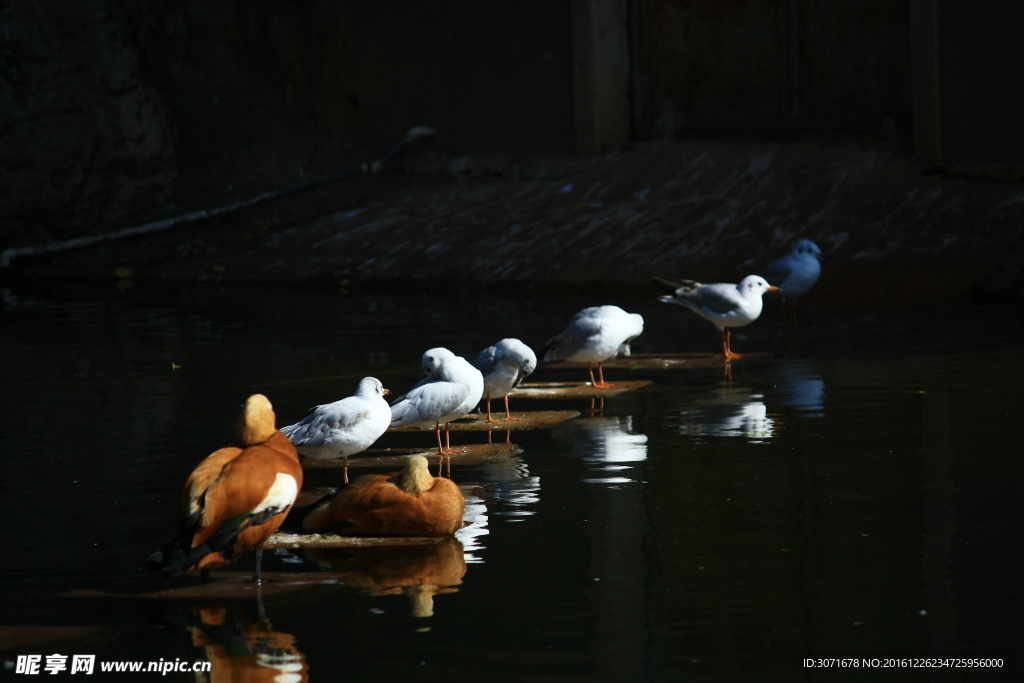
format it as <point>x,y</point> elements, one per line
<point>280,496</point>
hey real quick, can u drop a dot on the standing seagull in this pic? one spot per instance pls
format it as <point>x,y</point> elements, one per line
<point>236,497</point>
<point>724,305</point>
<point>345,427</point>
<point>594,335</point>
<point>504,365</point>
<point>795,273</point>
<point>451,389</point>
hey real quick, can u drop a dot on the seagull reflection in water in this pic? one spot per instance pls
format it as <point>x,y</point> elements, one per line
<point>608,444</point>
<point>798,385</point>
<point>509,482</point>
<point>730,411</point>
<point>474,520</point>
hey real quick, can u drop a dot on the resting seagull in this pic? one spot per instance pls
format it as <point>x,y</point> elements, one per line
<point>345,427</point>
<point>594,335</point>
<point>504,365</point>
<point>451,389</point>
<point>722,304</point>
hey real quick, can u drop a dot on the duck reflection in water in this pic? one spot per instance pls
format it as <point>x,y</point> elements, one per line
<point>419,572</point>
<point>730,410</point>
<point>241,648</point>
<point>609,443</point>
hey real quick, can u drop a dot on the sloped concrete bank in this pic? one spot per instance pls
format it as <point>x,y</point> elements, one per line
<point>706,210</point>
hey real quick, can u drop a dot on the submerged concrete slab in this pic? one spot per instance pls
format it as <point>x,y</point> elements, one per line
<point>559,390</point>
<point>469,454</point>
<point>292,541</point>
<point>226,585</point>
<point>666,361</point>
<point>35,638</point>
<point>541,419</point>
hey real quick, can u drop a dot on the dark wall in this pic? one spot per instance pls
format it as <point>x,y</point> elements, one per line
<point>777,67</point>
<point>981,80</point>
<point>84,132</point>
<point>491,76</point>
<point>116,111</point>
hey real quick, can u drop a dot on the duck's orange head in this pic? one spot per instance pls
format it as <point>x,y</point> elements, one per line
<point>415,478</point>
<point>257,423</point>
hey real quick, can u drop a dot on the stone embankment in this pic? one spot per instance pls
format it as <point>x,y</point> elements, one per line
<point>706,210</point>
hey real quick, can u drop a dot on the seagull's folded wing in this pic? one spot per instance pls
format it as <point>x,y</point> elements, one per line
<point>720,299</point>
<point>428,402</point>
<point>487,360</point>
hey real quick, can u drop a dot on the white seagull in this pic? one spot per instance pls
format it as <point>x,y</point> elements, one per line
<point>722,304</point>
<point>504,365</point>
<point>345,427</point>
<point>594,335</point>
<point>795,273</point>
<point>451,389</point>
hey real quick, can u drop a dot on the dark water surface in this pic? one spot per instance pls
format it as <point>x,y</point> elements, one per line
<point>856,493</point>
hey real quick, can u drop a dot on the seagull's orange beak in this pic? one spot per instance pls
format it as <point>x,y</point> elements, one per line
<point>386,391</point>
<point>773,288</point>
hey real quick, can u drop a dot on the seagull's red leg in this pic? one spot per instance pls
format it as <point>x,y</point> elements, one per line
<point>440,451</point>
<point>447,440</point>
<point>727,344</point>
<point>601,383</point>
<point>508,415</point>
<point>489,418</point>
<point>447,453</point>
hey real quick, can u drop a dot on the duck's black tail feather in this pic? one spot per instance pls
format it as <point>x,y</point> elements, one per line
<point>177,556</point>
